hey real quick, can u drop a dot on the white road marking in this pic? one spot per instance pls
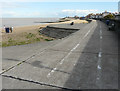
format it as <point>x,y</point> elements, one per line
<point>98,79</point>
<point>61,62</point>
<point>99,67</point>
<point>48,75</point>
<point>100,32</point>
<point>100,54</point>
<point>86,34</point>
<point>51,72</point>
<point>75,47</point>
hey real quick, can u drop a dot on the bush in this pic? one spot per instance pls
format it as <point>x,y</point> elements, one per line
<point>37,39</point>
<point>110,16</point>
<point>48,39</point>
<point>30,35</point>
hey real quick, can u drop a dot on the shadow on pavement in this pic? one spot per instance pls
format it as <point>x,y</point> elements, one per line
<point>84,75</point>
<point>10,59</point>
<point>39,65</point>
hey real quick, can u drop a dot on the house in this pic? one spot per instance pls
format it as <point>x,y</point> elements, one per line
<point>117,17</point>
<point>105,13</point>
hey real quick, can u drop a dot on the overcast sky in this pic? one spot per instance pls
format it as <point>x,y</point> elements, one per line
<point>54,9</point>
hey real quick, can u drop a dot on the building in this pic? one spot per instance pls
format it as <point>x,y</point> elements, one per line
<point>117,17</point>
<point>105,13</point>
<point>119,6</point>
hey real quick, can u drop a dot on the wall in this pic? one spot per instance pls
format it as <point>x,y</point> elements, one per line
<point>57,33</point>
<point>113,21</point>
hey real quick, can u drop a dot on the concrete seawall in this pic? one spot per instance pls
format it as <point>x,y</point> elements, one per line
<point>112,21</point>
<point>59,31</point>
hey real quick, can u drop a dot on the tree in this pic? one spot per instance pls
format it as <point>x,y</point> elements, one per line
<point>110,16</point>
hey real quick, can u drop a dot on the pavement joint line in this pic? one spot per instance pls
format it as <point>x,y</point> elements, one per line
<point>37,53</point>
<point>77,52</point>
<point>16,65</point>
<point>61,62</point>
<point>52,68</point>
<point>98,67</point>
<point>36,82</point>
<point>24,61</point>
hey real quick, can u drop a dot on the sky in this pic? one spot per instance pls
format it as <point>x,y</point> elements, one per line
<point>54,9</point>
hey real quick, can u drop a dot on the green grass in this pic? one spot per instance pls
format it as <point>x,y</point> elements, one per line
<point>30,35</point>
<point>37,39</point>
<point>48,39</point>
<point>13,43</point>
<point>29,38</point>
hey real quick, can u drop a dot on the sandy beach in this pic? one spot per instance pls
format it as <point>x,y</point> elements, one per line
<point>20,33</point>
<point>17,30</point>
<point>21,29</point>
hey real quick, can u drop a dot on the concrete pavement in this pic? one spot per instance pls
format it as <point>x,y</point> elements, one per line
<point>87,59</point>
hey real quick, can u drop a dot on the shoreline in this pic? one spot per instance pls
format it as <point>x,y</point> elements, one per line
<point>19,29</point>
<point>26,28</point>
<point>24,35</point>
<point>29,34</point>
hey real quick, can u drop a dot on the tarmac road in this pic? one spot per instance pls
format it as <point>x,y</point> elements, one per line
<point>87,59</point>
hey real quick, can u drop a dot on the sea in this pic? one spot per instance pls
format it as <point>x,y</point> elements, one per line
<point>16,22</point>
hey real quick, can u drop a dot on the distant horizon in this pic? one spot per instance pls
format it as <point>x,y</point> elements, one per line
<point>29,17</point>
<point>54,9</point>
<point>26,21</point>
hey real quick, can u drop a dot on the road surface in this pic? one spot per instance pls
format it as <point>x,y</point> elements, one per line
<point>87,59</point>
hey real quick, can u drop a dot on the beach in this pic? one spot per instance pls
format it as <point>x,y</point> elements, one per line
<point>20,33</point>
<point>17,22</point>
<point>20,29</point>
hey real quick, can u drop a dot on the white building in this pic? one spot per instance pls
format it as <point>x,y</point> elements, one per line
<point>92,16</point>
<point>100,16</point>
<point>119,6</point>
<point>105,13</point>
